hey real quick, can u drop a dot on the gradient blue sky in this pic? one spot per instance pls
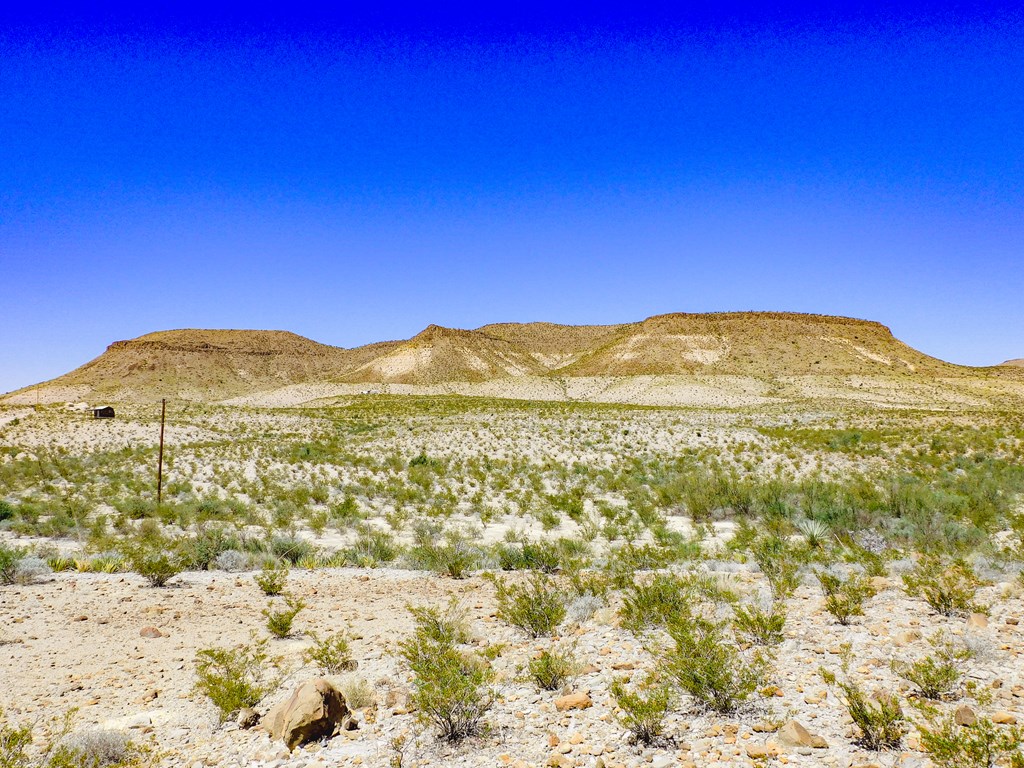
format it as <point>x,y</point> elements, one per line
<point>354,177</point>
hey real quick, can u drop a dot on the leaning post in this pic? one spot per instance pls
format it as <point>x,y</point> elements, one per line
<point>160,460</point>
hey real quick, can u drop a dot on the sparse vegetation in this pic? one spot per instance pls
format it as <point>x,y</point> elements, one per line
<point>536,607</point>
<point>280,620</point>
<point>331,653</point>
<point>983,745</point>
<point>643,707</point>
<point>948,588</point>
<point>451,686</point>
<point>709,666</point>
<point>878,717</point>
<point>553,668</point>
<point>272,579</point>
<point>937,675</point>
<point>845,598</point>
<point>235,678</point>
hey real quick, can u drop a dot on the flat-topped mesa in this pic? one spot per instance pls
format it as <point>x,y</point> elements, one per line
<point>244,342</point>
<point>796,320</point>
<point>760,353</point>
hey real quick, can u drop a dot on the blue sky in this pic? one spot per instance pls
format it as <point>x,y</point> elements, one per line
<point>354,178</point>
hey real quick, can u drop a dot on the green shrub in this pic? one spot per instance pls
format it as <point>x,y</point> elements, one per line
<point>779,564</point>
<point>551,669</point>
<point>291,548</point>
<point>447,627</point>
<point>451,688</point>
<point>331,654</point>
<point>546,556</point>
<point>9,559</point>
<point>454,556</point>
<point>6,511</point>
<point>537,607</point>
<point>656,602</point>
<point>235,678</point>
<point>624,562</point>
<point>759,626</point>
<point>643,708</point>
<point>14,744</point>
<point>845,599</point>
<point>358,693</point>
<point>154,558</point>
<point>948,588</point>
<point>709,666</point>
<point>982,745</point>
<point>279,622</point>
<point>937,675</point>
<point>200,551</point>
<point>272,579</point>
<point>879,718</point>
<point>372,547</point>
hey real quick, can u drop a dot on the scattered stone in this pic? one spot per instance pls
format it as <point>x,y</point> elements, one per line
<point>1004,718</point>
<point>793,734</point>
<point>977,621</point>
<point>965,716</point>
<point>580,700</point>
<point>247,718</point>
<point>316,710</point>
<point>150,632</point>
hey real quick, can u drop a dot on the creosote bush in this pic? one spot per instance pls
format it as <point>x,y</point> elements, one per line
<point>279,621</point>
<point>948,588</point>
<point>644,707</point>
<point>759,626</point>
<point>938,675</point>
<point>235,678</point>
<point>447,627</point>
<point>982,745</point>
<point>879,717</point>
<point>551,669</point>
<point>9,559</point>
<point>537,607</point>
<point>451,687</point>
<point>331,653</point>
<point>709,666</point>
<point>272,579</point>
<point>779,563</point>
<point>845,598</point>
<point>654,603</point>
<point>158,567</point>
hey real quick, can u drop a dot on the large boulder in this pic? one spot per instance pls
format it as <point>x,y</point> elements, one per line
<point>316,710</point>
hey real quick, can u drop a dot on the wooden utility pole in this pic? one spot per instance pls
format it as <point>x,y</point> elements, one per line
<point>160,460</point>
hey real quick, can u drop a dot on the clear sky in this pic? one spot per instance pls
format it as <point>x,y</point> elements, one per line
<point>355,177</point>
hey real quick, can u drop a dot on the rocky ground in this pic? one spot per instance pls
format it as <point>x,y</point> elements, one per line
<point>86,641</point>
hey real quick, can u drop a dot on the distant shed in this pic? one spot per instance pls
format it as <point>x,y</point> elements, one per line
<point>103,413</point>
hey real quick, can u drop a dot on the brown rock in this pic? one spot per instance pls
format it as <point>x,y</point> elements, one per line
<point>316,710</point>
<point>977,621</point>
<point>579,700</point>
<point>793,734</point>
<point>150,632</point>
<point>247,718</point>
<point>964,715</point>
<point>758,751</point>
<point>1004,718</point>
